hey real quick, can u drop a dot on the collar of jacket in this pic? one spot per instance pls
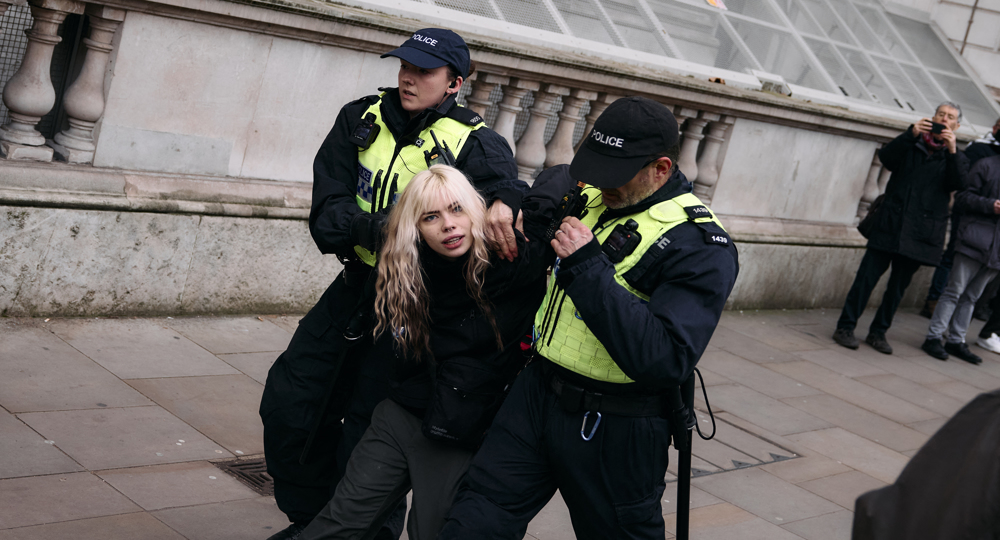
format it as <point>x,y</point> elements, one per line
<point>676,185</point>
<point>399,122</point>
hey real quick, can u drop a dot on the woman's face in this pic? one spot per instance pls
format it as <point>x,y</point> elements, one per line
<point>421,88</point>
<point>446,228</point>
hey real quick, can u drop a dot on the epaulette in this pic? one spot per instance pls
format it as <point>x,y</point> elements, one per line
<point>370,100</point>
<point>465,115</point>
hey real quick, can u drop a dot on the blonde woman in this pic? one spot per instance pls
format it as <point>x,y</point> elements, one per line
<point>452,315</point>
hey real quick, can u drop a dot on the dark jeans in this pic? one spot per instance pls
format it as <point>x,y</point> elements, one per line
<point>940,279</point>
<point>612,484</point>
<point>873,265</point>
<point>992,326</point>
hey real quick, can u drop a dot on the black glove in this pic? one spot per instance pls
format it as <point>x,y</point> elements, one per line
<point>368,230</point>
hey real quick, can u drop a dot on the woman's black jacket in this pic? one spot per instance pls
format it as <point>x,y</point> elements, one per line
<point>913,218</point>
<point>460,332</point>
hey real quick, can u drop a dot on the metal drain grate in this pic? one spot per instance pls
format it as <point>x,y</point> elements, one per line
<point>251,471</point>
<point>732,448</point>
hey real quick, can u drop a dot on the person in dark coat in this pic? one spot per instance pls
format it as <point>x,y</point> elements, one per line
<point>985,146</point>
<point>910,225</point>
<point>951,487</point>
<point>977,261</point>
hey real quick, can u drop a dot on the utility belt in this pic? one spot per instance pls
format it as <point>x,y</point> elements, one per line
<point>573,399</point>
<point>356,272</point>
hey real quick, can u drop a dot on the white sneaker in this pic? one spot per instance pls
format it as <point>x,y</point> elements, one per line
<point>992,344</point>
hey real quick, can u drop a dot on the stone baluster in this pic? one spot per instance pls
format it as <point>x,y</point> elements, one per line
<point>29,94</point>
<point>479,99</point>
<point>871,190</point>
<point>597,106</point>
<point>510,105</point>
<point>84,101</point>
<point>560,148</point>
<point>682,114</point>
<point>693,135</point>
<point>531,145</point>
<point>708,163</point>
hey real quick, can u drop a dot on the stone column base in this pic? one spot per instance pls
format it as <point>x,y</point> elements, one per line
<point>21,152</point>
<point>70,155</point>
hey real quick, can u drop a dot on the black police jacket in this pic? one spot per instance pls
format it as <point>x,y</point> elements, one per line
<point>913,218</point>
<point>658,343</point>
<point>486,158</point>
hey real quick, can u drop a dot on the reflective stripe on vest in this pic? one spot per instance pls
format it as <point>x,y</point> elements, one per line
<point>380,187</point>
<point>566,340</point>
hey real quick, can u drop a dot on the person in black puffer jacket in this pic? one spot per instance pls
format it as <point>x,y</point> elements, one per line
<point>911,223</point>
<point>451,316</point>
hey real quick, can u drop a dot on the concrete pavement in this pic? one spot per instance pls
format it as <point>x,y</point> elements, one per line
<point>109,428</point>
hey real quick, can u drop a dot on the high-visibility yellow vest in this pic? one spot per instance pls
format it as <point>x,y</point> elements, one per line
<point>383,174</point>
<point>565,338</point>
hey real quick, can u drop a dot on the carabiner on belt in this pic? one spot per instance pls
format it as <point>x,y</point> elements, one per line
<point>583,427</point>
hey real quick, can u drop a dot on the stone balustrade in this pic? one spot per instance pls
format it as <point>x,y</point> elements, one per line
<point>703,132</point>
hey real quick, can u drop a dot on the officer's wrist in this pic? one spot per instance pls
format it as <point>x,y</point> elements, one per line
<point>586,252</point>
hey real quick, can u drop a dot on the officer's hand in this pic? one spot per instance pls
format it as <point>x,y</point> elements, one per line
<point>948,136</point>
<point>500,230</point>
<point>923,126</point>
<point>572,235</point>
<point>996,206</point>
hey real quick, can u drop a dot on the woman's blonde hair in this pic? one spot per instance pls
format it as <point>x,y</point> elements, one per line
<point>401,298</point>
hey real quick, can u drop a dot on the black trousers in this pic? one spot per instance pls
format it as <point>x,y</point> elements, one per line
<point>873,265</point>
<point>293,395</point>
<point>612,484</point>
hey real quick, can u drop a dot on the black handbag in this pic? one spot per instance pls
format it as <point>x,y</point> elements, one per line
<point>867,225</point>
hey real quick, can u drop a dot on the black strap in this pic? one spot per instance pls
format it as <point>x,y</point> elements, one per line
<point>464,115</point>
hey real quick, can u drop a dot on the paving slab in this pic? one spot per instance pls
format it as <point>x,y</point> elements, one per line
<point>929,427</point>
<point>235,520</point>
<point>726,522</point>
<point>763,410</point>
<point>117,438</point>
<point>751,375</point>
<point>959,390</point>
<point>805,468</point>
<point>748,348</point>
<point>908,369</point>
<point>843,488</point>
<point>963,371</point>
<point>841,363</point>
<point>40,372</point>
<point>139,348</point>
<point>137,526</point>
<point>553,522</point>
<point>860,422</point>
<point>835,526</point>
<point>699,498</point>
<point>222,407</point>
<point>852,391</point>
<point>917,394</point>
<point>176,484</point>
<point>253,365</point>
<point>855,451</point>
<point>62,497</point>
<point>754,445</point>
<point>764,328</point>
<point>23,452</point>
<point>288,323</point>
<point>223,335</point>
<point>784,502</point>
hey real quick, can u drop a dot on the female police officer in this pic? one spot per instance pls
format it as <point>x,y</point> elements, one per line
<point>376,146</point>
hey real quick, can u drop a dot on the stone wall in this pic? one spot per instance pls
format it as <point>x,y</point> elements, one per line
<point>196,195</point>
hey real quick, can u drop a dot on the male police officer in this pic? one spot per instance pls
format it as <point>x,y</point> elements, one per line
<point>376,146</point>
<point>638,290</point>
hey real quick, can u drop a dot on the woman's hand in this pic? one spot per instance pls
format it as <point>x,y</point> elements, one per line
<point>572,235</point>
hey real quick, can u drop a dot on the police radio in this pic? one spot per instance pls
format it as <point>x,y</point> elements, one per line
<point>573,204</point>
<point>440,154</point>
<point>622,241</point>
<point>364,135</point>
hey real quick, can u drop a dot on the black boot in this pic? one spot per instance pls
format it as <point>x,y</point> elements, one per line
<point>291,532</point>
